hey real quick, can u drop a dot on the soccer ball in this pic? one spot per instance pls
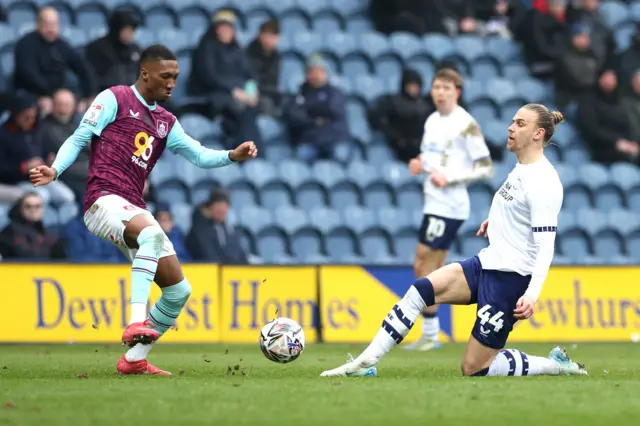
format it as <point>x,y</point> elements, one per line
<point>282,340</point>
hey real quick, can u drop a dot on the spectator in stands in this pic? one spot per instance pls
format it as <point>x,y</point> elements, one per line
<point>547,38</point>
<point>25,237</point>
<point>401,116</point>
<point>212,238</point>
<point>165,219</point>
<point>42,60</point>
<point>604,123</point>
<point>631,103</point>
<point>577,68</point>
<point>629,62</point>
<point>56,128</point>
<point>603,44</point>
<point>317,116</point>
<point>22,148</point>
<point>82,246</point>
<point>265,61</point>
<point>220,68</point>
<point>114,57</point>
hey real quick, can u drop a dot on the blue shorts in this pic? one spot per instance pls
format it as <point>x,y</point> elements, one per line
<point>496,293</point>
<point>438,232</point>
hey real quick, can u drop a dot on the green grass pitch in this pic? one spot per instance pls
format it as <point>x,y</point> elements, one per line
<point>235,385</point>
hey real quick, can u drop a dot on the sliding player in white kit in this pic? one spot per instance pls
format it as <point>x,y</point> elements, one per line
<point>504,279</point>
<point>453,154</point>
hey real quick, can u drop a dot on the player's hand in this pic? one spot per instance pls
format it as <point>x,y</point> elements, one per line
<point>244,152</point>
<point>524,308</point>
<point>415,166</point>
<point>483,229</point>
<point>42,175</point>
<point>438,178</point>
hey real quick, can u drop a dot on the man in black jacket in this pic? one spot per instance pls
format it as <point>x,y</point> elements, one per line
<point>211,238</point>
<point>265,63</point>
<point>42,60</point>
<point>401,116</point>
<point>115,56</point>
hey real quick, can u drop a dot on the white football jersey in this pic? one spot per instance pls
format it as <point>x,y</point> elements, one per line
<point>527,204</point>
<point>450,142</point>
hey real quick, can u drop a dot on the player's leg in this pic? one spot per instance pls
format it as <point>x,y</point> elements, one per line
<point>428,260</point>
<point>445,285</point>
<point>497,294</point>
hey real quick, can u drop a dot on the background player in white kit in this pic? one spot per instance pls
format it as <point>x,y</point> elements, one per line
<point>504,279</point>
<point>453,154</point>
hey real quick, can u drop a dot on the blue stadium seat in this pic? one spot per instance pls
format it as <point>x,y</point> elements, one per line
<point>340,243</point>
<point>615,13</point>
<point>625,175</point>
<point>294,22</point>
<point>481,196</point>
<point>255,218</point>
<point>388,68</point>
<point>354,66</point>
<point>306,243</point>
<point>272,245</point>
<point>410,197</point>
<point>568,175</point>
<point>501,91</point>
<point>270,128</point>
<point>311,195</point>
<point>173,192</point>
<point>405,44</point>
<point>339,44</point>
<point>174,39</point>
<point>160,17</point>
<point>633,246</point>
<point>469,47</point>
<point>275,194</point>
<point>366,87</point>
<point>608,245</point>
<point>275,152</point>
<point>501,171</point>
<point>247,241</point>
<point>90,16</point>
<point>290,219</point>
<point>504,51</point>
<point>531,91</point>
<point>324,219</point>
<point>348,7</point>
<point>593,175</point>
<point>393,220</point>
<point>485,113</point>
<point>566,220</point>
<point>363,174</point>
<point>378,195</point>
<point>359,24</point>
<point>182,214</point>
<point>575,156</point>
<point>344,194</point>
<point>633,198</point>
<point>67,211</point>
<point>379,155</point>
<point>593,221</point>
<point>243,194</point>
<point>294,172</point>
<point>50,218</point>
<point>397,174</point>
<point>260,172</point>
<point>307,43</point>
<point>21,14</point>
<point>191,18</point>
<point>514,71</point>
<point>145,37</point>
<point>405,246</point>
<point>375,244</point>
<point>359,219</point>
<point>325,23</point>
<point>328,173</point>
<point>485,69</point>
<point>472,244</point>
<point>577,197</point>
<point>200,192</point>
<point>373,44</point>
<point>609,197</point>
<point>76,37</point>
<point>438,47</point>
<point>623,221</point>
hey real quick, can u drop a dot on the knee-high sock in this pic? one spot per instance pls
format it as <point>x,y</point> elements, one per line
<point>430,325</point>
<point>143,270</point>
<point>512,362</point>
<point>162,315</point>
<point>399,321</point>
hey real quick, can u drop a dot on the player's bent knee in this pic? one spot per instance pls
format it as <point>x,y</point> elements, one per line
<point>425,288</point>
<point>179,293</point>
<point>151,233</point>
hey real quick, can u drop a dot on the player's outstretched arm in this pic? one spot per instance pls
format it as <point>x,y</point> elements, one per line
<point>184,145</point>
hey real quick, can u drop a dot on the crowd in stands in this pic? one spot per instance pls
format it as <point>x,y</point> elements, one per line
<point>569,46</point>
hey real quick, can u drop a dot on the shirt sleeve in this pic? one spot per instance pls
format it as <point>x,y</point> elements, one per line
<point>478,152</point>
<point>101,113</point>
<point>184,145</point>
<point>68,152</point>
<point>545,202</point>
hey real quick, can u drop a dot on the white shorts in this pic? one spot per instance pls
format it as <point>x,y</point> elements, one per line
<point>104,219</point>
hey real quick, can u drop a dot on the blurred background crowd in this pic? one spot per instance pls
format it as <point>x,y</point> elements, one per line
<point>335,93</point>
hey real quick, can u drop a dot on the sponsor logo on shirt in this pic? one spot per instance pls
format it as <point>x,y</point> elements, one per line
<point>144,148</point>
<point>92,115</point>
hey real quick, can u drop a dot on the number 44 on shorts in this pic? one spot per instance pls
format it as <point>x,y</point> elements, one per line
<point>485,317</point>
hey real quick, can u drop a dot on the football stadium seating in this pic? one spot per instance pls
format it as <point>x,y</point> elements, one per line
<point>367,211</point>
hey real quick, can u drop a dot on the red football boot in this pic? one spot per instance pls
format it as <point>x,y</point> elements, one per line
<point>140,332</point>
<point>139,367</point>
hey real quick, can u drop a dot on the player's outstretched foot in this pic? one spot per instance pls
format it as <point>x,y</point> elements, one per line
<point>139,332</point>
<point>139,367</point>
<point>567,366</point>
<point>424,344</point>
<point>351,369</point>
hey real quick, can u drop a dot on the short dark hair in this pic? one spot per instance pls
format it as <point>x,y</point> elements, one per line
<point>450,75</point>
<point>217,195</point>
<point>157,52</point>
<point>270,26</point>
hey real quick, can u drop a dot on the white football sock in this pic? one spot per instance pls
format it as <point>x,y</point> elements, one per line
<point>138,312</point>
<point>138,352</point>
<point>512,362</point>
<point>395,327</point>
<point>430,326</point>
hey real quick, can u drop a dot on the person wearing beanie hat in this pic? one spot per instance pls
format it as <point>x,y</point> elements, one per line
<point>401,116</point>
<point>212,238</point>
<point>317,116</point>
<point>114,57</point>
<point>220,70</point>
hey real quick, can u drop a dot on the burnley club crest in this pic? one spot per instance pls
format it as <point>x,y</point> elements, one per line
<point>162,127</point>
